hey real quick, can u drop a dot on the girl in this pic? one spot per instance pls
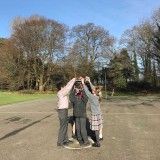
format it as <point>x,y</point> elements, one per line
<point>97,118</point>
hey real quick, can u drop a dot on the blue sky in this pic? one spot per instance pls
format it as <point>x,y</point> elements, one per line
<point>114,15</point>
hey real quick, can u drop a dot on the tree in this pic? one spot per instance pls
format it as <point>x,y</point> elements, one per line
<point>156,41</point>
<point>145,48</point>
<point>140,39</point>
<point>121,69</point>
<point>3,73</point>
<point>90,42</point>
<point>129,39</point>
<point>115,68</point>
<point>41,41</point>
<point>127,67</point>
<point>135,68</point>
<point>12,66</point>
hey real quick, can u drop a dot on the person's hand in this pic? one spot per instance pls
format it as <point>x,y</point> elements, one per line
<point>82,79</point>
<point>88,79</point>
<point>77,90</point>
<point>73,79</point>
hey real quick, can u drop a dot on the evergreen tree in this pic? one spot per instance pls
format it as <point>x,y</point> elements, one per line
<point>121,69</point>
<point>126,63</point>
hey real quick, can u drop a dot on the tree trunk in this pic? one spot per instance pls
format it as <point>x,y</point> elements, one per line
<point>41,87</point>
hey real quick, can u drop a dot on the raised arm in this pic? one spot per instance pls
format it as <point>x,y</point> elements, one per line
<point>85,97</point>
<point>68,87</point>
<point>72,96</point>
<point>88,93</point>
<point>92,86</point>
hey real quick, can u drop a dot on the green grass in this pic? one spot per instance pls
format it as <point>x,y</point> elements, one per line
<point>9,97</point>
<point>128,95</point>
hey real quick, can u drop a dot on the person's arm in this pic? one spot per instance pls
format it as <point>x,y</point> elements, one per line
<point>72,96</point>
<point>88,93</point>
<point>85,97</point>
<point>92,86</point>
<point>68,87</point>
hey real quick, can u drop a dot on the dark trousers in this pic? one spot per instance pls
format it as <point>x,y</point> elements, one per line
<point>97,136</point>
<point>63,130</point>
<point>81,129</point>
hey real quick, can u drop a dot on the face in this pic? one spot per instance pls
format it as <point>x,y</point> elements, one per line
<point>93,91</point>
<point>79,86</point>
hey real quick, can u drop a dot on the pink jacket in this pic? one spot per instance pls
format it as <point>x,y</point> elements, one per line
<point>62,95</point>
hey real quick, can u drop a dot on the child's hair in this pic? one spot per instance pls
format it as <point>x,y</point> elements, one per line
<point>60,85</point>
<point>78,84</point>
<point>98,93</point>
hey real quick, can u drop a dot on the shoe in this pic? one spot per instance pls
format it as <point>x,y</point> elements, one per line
<point>81,143</point>
<point>101,139</point>
<point>85,144</point>
<point>96,145</point>
<point>67,143</point>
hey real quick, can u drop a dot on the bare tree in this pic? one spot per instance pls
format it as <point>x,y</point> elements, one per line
<point>129,39</point>
<point>41,40</point>
<point>90,42</point>
<point>3,73</point>
<point>156,38</point>
<point>140,41</point>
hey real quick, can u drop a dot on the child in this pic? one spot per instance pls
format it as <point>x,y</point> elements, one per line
<point>79,100</point>
<point>97,118</point>
<point>63,111</point>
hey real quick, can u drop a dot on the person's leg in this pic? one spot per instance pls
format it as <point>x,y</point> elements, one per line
<point>100,134</point>
<point>84,130</point>
<point>97,136</point>
<point>62,134</point>
<point>66,127</point>
<point>79,137</point>
<point>74,130</point>
<point>97,144</point>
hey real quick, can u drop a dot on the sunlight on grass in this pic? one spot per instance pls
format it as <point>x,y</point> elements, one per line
<point>9,97</point>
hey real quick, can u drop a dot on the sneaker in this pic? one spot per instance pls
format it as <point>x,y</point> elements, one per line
<point>96,145</point>
<point>67,143</point>
<point>85,144</point>
<point>101,139</point>
<point>81,142</point>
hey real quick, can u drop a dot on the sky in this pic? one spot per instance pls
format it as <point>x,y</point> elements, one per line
<point>116,16</point>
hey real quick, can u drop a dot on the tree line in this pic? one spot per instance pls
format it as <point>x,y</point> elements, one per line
<point>42,51</point>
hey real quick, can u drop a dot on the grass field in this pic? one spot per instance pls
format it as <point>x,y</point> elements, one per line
<point>14,97</point>
<point>9,97</point>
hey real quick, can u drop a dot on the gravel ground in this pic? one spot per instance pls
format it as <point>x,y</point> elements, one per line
<point>28,131</point>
